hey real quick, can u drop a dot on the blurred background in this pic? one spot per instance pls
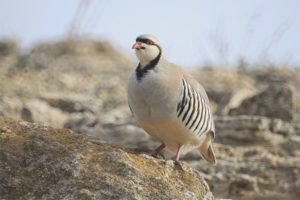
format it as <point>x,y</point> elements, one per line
<point>67,63</point>
<point>192,33</point>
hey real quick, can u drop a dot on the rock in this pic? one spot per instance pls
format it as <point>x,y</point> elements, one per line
<point>40,162</point>
<point>79,69</point>
<point>72,102</point>
<point>280,75</point>
<point>252,172</point>
<point>218,101</point>
<point>292,145</point>
<point>82,122</point>
<point>229,100</point>
<point>81,84</point>
<point>119,127</point>
<point>26,115</point>
<point>274,102</point>
<point>222,79</point>
<point>117,116</point>
<point>226,88</point>
<point>8,47</point>
<point>282,127</point>
<point>2,110</point>
<point>128,135</point>
<point>249,130</point>
<point>33,110</point>
<point>243,183</point>
<point>37,61</point>
<point>257,158</point>
<point>297,128</point>
<point>39,111</point>
<point>11,106</point>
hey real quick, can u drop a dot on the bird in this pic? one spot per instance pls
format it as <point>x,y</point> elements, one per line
<point>169,104</point>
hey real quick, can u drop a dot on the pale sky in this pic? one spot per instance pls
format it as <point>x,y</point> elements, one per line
<point>191,32</point>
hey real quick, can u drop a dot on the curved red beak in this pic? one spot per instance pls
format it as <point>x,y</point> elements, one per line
<point>137,45</point>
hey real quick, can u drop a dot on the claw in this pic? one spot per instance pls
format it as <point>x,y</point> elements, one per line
<point>178,163</point>
<point>157,155</point>
<point>157,151</point>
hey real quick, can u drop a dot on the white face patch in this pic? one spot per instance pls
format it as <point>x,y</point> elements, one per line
<point>146,55</point>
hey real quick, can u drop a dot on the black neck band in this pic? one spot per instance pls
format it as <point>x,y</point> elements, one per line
<point>140,72</point>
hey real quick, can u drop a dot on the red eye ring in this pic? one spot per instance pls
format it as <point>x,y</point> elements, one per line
<point>149,42</point>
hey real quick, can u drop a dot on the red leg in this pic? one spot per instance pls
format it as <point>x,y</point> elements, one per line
<point>178,153</point>
<point>158,150</point>
<point>177,156</point>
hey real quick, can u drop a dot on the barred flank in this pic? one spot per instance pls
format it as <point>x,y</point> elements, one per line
<point>193,110</point>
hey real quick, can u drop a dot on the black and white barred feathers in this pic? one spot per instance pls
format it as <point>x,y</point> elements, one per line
<point>193,110</point>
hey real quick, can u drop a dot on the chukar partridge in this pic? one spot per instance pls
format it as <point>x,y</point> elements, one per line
<point>168,103</point>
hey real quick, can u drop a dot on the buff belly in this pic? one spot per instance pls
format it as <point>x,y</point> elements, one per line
<point>172,133</point>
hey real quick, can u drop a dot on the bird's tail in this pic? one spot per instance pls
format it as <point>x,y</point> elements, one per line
<point>207,150</point>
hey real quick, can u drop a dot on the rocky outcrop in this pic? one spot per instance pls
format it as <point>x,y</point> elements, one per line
<point>250,130</point>
<point>274,102</point>
<point>40,162</point>
<point>224,101</point>
<point>258,158</point>
<point>67,69</point>
<point>226,88</point>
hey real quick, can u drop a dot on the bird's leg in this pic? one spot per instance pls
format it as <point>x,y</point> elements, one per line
<point>176,161</point>
<point>157,151</point>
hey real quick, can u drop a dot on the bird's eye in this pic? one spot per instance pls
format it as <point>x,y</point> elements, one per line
<point>149,42</point>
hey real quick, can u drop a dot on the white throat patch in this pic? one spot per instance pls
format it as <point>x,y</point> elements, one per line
<point>146,55</point>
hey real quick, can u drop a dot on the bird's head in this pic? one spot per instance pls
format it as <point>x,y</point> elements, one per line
<point>147,49</point>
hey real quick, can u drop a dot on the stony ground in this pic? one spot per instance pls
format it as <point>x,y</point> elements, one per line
<point>81,85</point>
<point>40,162</point>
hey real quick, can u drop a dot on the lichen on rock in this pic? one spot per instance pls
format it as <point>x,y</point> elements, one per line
<point>41,162</point>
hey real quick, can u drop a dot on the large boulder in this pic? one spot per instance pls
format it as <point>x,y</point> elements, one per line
<point>274,102</point>
<point>40,162</point>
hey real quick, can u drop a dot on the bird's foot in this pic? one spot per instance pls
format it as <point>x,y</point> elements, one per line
<point>178,163</point>
<point>157,154</point>
<point>154,153</point>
